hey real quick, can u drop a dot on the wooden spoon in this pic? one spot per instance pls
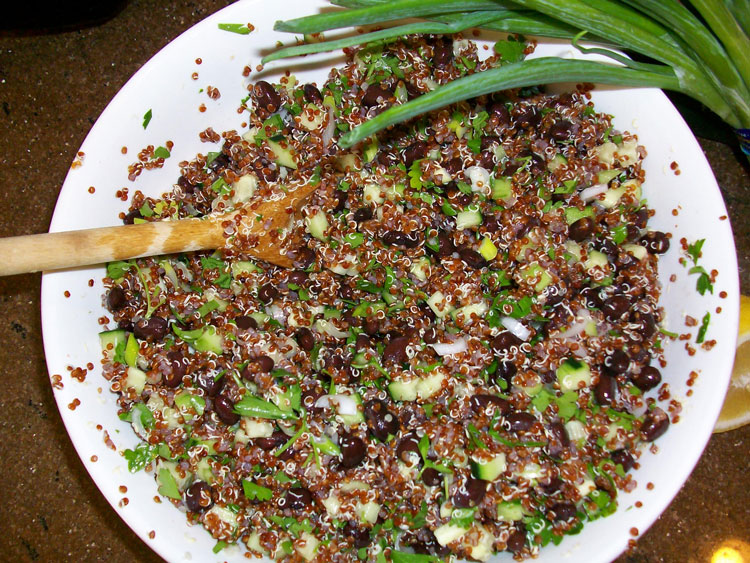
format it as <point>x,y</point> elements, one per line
<point>53,251</point>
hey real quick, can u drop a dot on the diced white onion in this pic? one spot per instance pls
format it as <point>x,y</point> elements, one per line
<point>581,320</point>
<point>277,313</point>
<point>479,178</point>
<point>516,327</point>
<point>449,348</point>
<point>343,404</point>
<point>322,325</point>
<point>592,192</point>
<point>330,128</point>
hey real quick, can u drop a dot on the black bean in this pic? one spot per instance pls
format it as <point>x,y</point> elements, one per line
<point>310,396</point>
<point>605,390</point>
<point>425,543</point>
<point>153,329</point>
<point>506,370</point>
<point>505,341</point>
<point>654,424</point>
<point>615,307</point>
<point>267,293</point>
<point>353,450</point>
<point>561,130</point>
<point>456,196</point>
<point>297,277</point>
<point>221,161</point>
<point>559,439</point>
<point>363,214</point>
<point>371,326</point>
<point>264,363</point>
<point>246,322</point>
<point>470,493</point>
<point>360,536</point>
<point>442,54</point>
<point>412,91</point>
<point>427,312</point>
<point>489,141</point>
<point>275,440</point>
<point>305,339</point>
<point>224,407</point>
<point>607,247</point>
<point>381,422</point>
<point>472,258</point>
<point>537,164</point>
<point>617,362</point>
<point>520,421</point>
<point>207,381</point>
<point>312,94</point>
<point>416,151</point>
<point>432,477</point>
<point>581,229</point>
<point>445,245</point>
<point>454,165</point>
<point>528,117</point>
<point>296,498</point>
<point>387,157</point>
<point>395,351</point>
<point>362,342</point>
<point>198,497</point>
<point>430,335</point>
<point>648,378</point>
<point>486,159</point>
<point>400,238</point>
<point>303,258</point>
<point>266,97</point>
<point>632,233</point>
<point>592,297</point>
<point>480,402</point>
<point>554,485</point>
<point>640,219</point>
<point>498,110</point>
<point>624,458</point>
<point>563,511</point>
<point>116,299</point>
<point>185,184</point>
<point>131,216</point>
<point>177,369</point>
<point>375,95</point>
<point>655,242</point>
<point>516,541</point>
<point>646,321</point>
<point>407,449</point>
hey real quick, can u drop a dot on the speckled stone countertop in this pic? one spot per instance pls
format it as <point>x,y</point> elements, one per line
<point>52,88</point>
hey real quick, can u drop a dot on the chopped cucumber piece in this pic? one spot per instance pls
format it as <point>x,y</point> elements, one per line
<point>403,390</point>
<point>536,272</point>
<point>469,218</point>
<point>439,305</point>
<point>510,511</point>
<point>596,259</point>
<point>572,214</point>
<point>571,373</point>
<point>448,533</point>
<point>557,161</point>
<point>502,188</point>
<point>244,267</point>
<point>420,269</point>
<point>131,351</point>
<point>308,546</point>
<point>489,470</point>
<point>115,338</point>
<point>636,250</point>
<point>606,176</point>
<point>135,379</point>
<point>487,249</point>
<point>317,225</point>
<point>284,155</point>
<point>372,193</point>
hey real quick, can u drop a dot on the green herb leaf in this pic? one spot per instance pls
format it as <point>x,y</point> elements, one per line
<point>140,457</point>
<point>161,152</point>
<point>219,546</point>
<point>208,263</point>
<point>694,250</point>
<point>463,517</point>
<point>404,557</point>
<point>255,406</point>
<point>256,492</point>
<point>116,270</point>
<point>239,28</point>
<point>703,329</point>
<point>147,118</point>
<point>510,51</point>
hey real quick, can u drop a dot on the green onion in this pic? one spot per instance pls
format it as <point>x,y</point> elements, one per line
<point>707,59</point>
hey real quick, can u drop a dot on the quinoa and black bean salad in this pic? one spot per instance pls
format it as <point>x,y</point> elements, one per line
<point>462,360</point>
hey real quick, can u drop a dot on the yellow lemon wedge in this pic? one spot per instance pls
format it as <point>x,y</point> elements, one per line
<point>736,409</point>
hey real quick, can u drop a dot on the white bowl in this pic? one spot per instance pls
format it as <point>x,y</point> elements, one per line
<point>688,205</point>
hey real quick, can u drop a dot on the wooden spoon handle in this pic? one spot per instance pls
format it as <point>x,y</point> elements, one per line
<point>51,251</point>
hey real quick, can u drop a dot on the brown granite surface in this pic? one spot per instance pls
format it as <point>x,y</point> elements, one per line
<point>52,88</point>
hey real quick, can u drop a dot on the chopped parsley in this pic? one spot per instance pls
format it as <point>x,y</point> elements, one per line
<point>147,118</point>
<point>703,329</point>
<point>238,28</point>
